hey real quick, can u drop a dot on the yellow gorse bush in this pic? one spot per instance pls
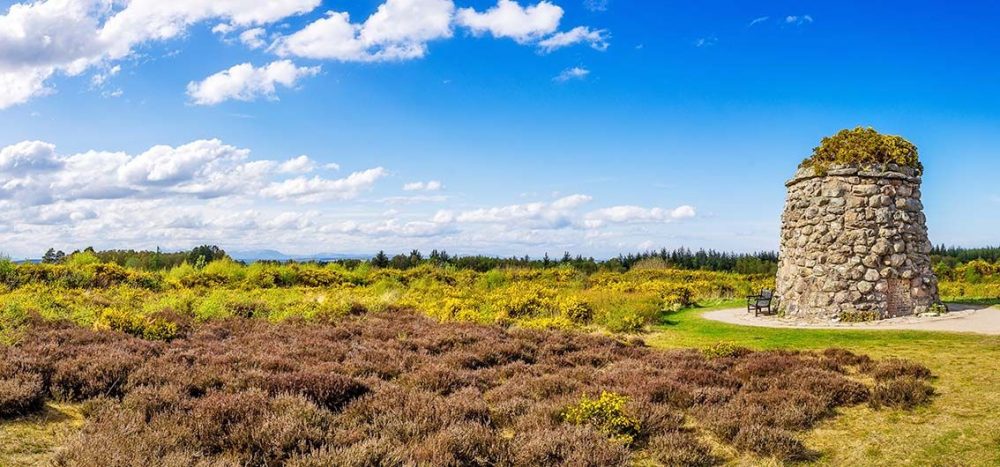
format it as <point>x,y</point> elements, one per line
<point>537,298</point>
<point>607,414</point>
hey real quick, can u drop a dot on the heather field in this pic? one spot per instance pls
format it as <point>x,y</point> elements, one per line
<point>306,364</point>
<point>395,388</point>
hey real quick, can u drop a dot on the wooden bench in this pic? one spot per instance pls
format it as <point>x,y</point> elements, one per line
<point>762,302</point>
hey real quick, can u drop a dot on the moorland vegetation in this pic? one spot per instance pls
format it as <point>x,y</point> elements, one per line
<point>395,388</point>
<point>364,363</point>
<point>94,289</point>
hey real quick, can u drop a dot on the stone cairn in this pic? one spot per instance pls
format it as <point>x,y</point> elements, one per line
<point>854,245</point>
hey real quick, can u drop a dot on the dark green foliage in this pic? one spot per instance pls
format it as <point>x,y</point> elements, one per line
<point>863,147</point>
<point>205,254</point>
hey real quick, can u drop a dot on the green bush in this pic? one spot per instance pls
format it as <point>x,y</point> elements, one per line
<point>607,414</point>
<point>8,271</point>
<point>863,147</point>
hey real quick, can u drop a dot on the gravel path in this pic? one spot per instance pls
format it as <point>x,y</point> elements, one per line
<point>962,318</point>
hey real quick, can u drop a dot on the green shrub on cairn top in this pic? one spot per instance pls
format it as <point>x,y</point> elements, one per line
<point>863,147</point>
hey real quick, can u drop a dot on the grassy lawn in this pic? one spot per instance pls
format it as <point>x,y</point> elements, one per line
<point>961,426</point>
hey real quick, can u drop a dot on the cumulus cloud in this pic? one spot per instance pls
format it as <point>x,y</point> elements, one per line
<point>508,19</point>
<point>309,190</point>
<point>597,39</point>
<point>28,156</point>
<point>301,164</point>
<point>555,215</point>
<point>571,202</point>
<point>244,82</point>
<point>570,74</point>
<point>432,185</point>
<point>43,38</point>
<point>398,30</point>
<point>636,214</point>
<point>46,38</point>
<point>33,173</point>
<point>393,228</point>
<point>253,38</point>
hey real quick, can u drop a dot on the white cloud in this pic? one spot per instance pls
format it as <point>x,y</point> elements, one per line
<point>28,156</point>
<point>556,215</point>
<point>99,78</point>
<point>33,173</point>
<point>166,165</point>
<point>393,227</point>
<point>48,38</point>
<point>432,185</point>
<point>798,20</point>
<point>309,190</point>
<point>301,164</point>
<point>597,38</point>
<point>332,166</point>
<point>758,20</point>
<point>416,199</point>
<point>636,214</point>
<point>570,74</point>
<point>244,82</point>
<point>508,19</point>
<point>398,30</point>
<point>571,202</point>
<point>223,28</point>
<point>62,213</point>
<point>291,220</point>
<point>596,5</point>
<point>43,38</point>
<point>252,38</point>
<point>706,41</point>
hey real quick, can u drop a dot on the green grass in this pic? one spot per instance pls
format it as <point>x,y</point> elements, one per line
<point>961,426</point>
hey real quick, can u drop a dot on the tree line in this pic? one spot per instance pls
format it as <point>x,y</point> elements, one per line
<point>764,262</point>
<point>156,260</point>
<point>958,255</point>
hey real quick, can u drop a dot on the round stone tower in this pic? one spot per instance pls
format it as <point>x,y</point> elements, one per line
<point>854,241</point>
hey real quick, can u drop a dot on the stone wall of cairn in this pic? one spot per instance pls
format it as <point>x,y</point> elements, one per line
<point>854,246</point>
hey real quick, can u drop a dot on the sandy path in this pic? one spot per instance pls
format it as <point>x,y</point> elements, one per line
<point>980,320</point>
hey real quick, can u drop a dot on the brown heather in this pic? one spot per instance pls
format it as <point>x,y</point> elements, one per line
<point>399,389</point>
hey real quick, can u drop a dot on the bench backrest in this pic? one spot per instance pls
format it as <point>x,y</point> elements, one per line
<point>766,294</point>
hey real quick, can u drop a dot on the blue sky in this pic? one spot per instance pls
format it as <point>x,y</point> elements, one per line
<point>474,126</point>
